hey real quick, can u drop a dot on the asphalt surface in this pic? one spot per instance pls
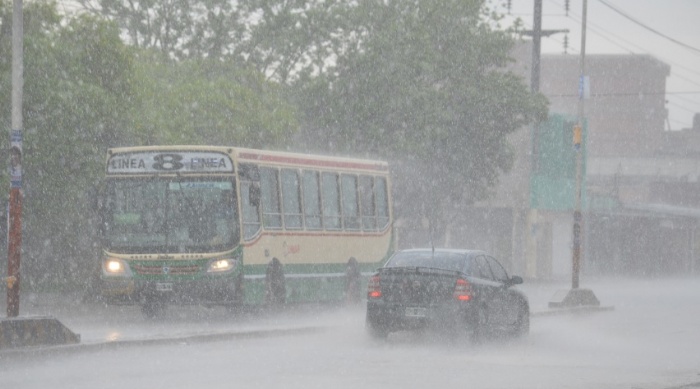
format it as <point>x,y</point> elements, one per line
<point>102,325</point>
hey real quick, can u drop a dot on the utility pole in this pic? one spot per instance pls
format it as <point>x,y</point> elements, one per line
<point>536,47</point>
<point>578,130</point>
<point>14,242</point>
<point>577,296</point>
<point>22,331</point>
<point>537,33</point>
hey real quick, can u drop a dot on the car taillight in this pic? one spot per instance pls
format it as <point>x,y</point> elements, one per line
<point>373,288</point>
<point>463,290</point>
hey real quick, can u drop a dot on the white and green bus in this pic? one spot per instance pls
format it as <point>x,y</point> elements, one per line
<point>233,226</point>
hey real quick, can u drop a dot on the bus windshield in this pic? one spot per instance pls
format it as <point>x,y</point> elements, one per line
<point>170,215</point>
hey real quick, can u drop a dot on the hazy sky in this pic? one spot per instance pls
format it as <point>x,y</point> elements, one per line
<point>610,32</point>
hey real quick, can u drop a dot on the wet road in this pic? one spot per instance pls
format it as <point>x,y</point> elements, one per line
<point>649,341</point>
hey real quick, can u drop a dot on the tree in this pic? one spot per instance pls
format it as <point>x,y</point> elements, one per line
<point>282,39</point>
<point>208,101</point>
<point>422,82</point>
<point>425,85</point>
<point>77,74</point>
<point>86,91</point>
<point>195,84</point>
<point>160,24</point>
<point>295,39</point>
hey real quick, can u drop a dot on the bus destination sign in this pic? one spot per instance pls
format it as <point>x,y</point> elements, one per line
<point>150,162</point>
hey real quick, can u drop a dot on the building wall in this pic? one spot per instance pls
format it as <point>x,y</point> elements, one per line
<point>626,110</point>
<point>632,164</point>
<point>631,159</point>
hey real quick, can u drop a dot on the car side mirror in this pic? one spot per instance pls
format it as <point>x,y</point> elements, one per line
<point>516,280</point>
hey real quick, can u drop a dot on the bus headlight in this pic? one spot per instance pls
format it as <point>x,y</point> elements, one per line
<point>221,265</point>
<point>115,267</point>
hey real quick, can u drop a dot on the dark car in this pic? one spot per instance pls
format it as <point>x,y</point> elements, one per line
<point>460,291</point>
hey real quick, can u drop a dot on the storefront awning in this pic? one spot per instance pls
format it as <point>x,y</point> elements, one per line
<point>662,210</point>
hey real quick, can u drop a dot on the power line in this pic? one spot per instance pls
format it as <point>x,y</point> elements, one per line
<point>682,107</point>
<point>529,25</point>
<point>626,94</point>
<point>683,93</point>
<point>683,98</point>
<point>628,46</point>
<point>674,95</point>
<point>674,121</point>
<point>605,34</point>
<point>687,79</point>
<point>647,27</point>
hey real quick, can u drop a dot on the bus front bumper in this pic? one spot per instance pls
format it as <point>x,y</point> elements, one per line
<point>220,290</point>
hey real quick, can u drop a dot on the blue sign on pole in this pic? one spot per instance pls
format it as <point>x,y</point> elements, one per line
<point>584,87</point>
<point>16,159</point>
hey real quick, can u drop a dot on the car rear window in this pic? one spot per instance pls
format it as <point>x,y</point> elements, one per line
<point>445,261</point>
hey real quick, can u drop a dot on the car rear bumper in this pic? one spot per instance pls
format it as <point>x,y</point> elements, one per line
<point>392,317</point>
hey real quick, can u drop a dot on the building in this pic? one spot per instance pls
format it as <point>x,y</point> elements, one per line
<point>641,193</point>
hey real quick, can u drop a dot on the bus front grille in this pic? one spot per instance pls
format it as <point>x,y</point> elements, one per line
<point>166,270</point>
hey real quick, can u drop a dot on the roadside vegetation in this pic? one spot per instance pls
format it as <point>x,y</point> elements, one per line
<point>422,84</point>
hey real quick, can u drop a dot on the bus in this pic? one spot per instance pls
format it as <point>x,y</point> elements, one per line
<point>235,226</point>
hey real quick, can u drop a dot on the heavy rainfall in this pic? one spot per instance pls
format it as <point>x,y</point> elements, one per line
<point>201,192</point>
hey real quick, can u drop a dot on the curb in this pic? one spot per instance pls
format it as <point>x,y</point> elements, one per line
<point>572,311</point>
<point>18,332</point>
<point>185,339</point>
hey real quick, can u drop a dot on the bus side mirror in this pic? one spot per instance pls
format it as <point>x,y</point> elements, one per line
<point>254,194</point>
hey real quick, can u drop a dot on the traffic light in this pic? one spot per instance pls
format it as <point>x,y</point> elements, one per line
<point>577,136</point>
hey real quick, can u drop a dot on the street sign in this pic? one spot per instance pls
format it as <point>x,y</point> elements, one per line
<point>584,88</point>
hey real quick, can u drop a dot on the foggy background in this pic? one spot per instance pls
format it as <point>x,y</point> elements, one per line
<point>439,90</point>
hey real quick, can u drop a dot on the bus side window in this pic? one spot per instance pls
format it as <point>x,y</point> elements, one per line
<point>250,199</point>
<point>331,204</point>
<point>251,217</point>
<point>291,202</point>
<point>351,220</point>
<point>254,194</point>
<point>269,188</point>
<point>381,201</point>
<point>312,201</point>
<point>367,208</point>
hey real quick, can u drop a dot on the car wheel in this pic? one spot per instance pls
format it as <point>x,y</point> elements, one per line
<point>153,309</point>
<point>275,289</point>
<point>239,287</point>
<point>480,325</point>
<point>376,331</point>
<point>522,325</point>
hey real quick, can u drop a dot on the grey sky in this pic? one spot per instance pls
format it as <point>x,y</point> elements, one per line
<point>610,32</point>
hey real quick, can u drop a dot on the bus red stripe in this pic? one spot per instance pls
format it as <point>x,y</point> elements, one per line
<point>313,162</point>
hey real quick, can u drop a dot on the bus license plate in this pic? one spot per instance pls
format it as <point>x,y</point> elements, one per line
<point>164,286</point>
<point>415,312</point>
